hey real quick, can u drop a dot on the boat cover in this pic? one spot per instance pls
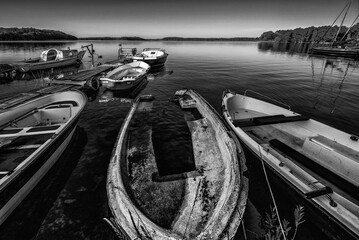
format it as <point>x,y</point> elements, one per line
<point>51,54</point>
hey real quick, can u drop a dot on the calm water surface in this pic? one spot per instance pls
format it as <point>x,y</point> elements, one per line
<point>326,89</point>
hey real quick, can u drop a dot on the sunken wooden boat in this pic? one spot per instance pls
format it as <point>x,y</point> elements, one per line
<point>33,135</point>
<point>205,201</point>
<point>318,162</point>
<point>349,52</point>
<point>126,76</point>
<point>155,57</point>
<point>51,58</point>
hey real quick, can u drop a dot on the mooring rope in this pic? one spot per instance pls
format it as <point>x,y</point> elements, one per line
<point>271,193</point>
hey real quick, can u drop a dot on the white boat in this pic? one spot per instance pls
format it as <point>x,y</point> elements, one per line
<point>155,57</point>
<point>33,135</point>
<point>214,192</point>
<point>318,162</point>
<point>126,76</point>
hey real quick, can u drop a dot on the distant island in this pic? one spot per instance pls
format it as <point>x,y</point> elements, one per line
<point>171,39</point>
<point>309,34</point>
<point>32,34</point>
<point>312,34</point>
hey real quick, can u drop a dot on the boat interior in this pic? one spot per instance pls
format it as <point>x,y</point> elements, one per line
<point>294,139</point>
<point>128,74</point>
<point>188,193</point>
<point>152,53</point>
<point>21,137</point>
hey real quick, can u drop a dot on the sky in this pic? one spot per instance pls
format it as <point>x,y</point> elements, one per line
<point>169,18</point>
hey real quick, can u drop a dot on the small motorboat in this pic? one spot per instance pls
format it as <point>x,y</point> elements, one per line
<point>126,76</point>
<point>155,57</point>
<point>51,58</point>
<point>33,135</point>
<point>204,201</point>
<point>319,163</point>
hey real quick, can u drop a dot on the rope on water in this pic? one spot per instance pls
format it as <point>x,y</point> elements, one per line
<point>271,193</point>
<point>244,230</point>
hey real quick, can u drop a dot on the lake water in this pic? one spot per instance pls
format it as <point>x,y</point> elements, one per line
<point>72,202</point>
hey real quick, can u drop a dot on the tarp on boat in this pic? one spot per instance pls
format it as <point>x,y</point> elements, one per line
<point>51,54</point>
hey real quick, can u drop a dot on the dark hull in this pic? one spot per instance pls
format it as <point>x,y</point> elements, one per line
<point>26,67</point>
<point>286,192</point>
<point>15,192</point>
<point>337,52</point>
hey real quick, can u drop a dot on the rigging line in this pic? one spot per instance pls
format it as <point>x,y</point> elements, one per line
<point>341,24</point>
<point>349,28</point>
<point>271,193</point>
<point>333,22</point>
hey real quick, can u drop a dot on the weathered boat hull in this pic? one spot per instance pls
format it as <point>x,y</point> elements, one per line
<point>130,222</point>
<point>35,66</point>
<point>19,182</point>
<point>286,143</point>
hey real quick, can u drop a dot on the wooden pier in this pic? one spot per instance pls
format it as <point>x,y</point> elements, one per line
<point>83,79</point>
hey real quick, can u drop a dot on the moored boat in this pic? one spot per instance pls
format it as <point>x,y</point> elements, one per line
<point>349,52</point>
<point>51,58</point>
<point>126,76</point>
<point>33,135</point>
<point>319,163</point>
<point>155,57</point>
<point>206,200</point>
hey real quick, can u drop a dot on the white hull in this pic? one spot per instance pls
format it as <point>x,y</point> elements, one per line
<point>35,179</point>
<point>304,136</point>
<point>33,136</point>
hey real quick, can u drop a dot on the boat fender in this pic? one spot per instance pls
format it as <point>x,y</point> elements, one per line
<point>354,138</point>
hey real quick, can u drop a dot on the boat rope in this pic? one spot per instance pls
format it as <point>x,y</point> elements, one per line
<point>271,193</point>
<point>143,227</point>
<point>244,230</point>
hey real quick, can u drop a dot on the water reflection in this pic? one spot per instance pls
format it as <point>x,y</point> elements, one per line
<point>284,47</point>
<point>328,81</point>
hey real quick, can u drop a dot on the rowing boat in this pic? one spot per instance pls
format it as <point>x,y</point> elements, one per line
<point>320,163</point>
<point>204,200</point>
<point>33,135</point>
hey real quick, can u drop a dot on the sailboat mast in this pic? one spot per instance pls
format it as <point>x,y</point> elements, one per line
<point>341,24</point>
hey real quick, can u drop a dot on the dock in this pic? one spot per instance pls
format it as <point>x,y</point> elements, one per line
<point>83,79</point>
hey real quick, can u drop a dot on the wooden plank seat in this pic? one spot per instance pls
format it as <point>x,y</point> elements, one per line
<point>273,119</point>
<point>16,132</point>
<point>323,172</point>
<point>319,192</point>
<point>14,152</point>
